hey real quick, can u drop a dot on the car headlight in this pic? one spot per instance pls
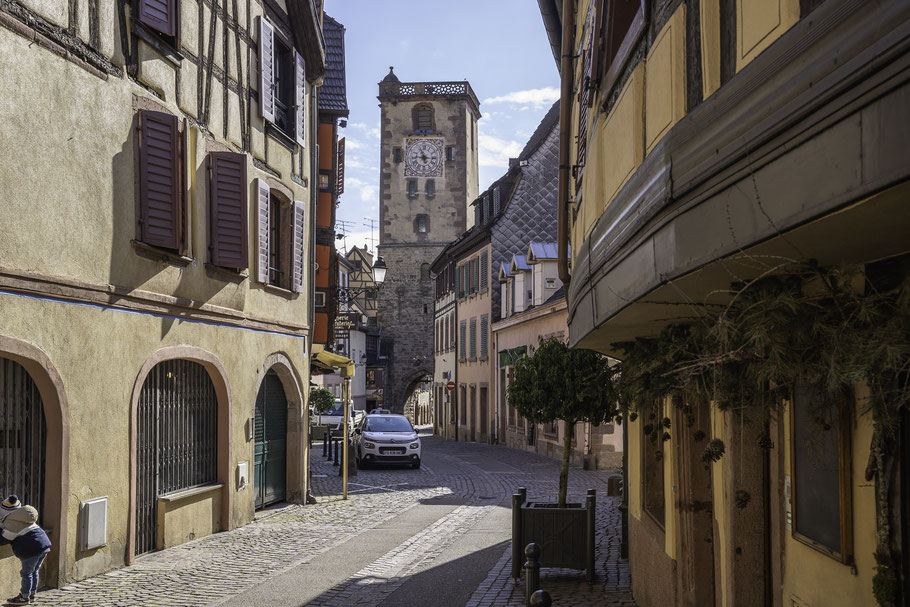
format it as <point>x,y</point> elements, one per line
<point>367,445</point>
<point>415,445</point>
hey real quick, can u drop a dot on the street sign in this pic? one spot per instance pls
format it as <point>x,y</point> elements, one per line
<point>450,386</point>
<point>343,325</point>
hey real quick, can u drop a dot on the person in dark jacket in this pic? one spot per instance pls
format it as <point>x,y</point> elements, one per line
<point>19,528</point>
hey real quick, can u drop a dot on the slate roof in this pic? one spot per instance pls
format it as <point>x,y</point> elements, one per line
<point>542,250</point>
<point>504,271</point>
<point>391,77</point>
<point>520,263</point>
<point>333,95</point>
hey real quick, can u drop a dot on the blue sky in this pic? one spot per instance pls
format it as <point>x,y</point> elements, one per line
<point>499,46</point>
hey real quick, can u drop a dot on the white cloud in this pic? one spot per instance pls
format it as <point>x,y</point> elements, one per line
<point>370,131</point>
<point>369,193</point>
<point>352,144</point>
<point>496,152</point>
<point>537,98</point>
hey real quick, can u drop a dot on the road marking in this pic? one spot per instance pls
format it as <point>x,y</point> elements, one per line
<point>380,487</point>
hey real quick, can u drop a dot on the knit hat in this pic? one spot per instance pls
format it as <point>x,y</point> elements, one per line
<point>10,503</point>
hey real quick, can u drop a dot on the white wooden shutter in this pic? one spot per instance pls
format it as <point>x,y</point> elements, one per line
<point>298,263</point>
<point>300,90</point>
<point>262,246</point>
<point>266,70</point>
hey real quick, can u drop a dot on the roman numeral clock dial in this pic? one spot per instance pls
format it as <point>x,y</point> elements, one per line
<point>423,157</point>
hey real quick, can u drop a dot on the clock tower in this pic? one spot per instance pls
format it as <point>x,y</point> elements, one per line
<point>428,176</point>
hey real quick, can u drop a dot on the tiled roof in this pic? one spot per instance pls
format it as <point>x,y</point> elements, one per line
<point>542,250</point>
<point>333,93</point>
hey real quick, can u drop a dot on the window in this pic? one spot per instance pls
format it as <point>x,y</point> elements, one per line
<point>462,351</point>
<point>430,188</point>
<point>478,219</point>
<point>228,209</point>
<point>450,153</point>
<point>625,24</point>
<point>653,476</point>
<point>324,180</point>
<point>423,120</point>
<point>162,165</point>
<point>551,283</point>
<point>474,338</point>
<point>396,153</point>
<point>281,235</point>
<point>319,299</point>
<point>822,500</point>
<point>484,329</point>
<point>424,274</point>
<point>23,434</point>
<point>282,84</point>
<point>420,224</point>
<point>496,201</point>
<point>484,272</point>
<point>464,406</point>
<point>412,188</point>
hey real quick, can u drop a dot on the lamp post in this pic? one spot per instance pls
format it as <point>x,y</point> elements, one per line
<point>347,294</point>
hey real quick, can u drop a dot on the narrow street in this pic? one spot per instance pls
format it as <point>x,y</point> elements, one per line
<point>434,536</point>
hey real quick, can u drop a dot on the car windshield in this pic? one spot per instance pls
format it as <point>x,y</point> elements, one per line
<point>338,409</point>
<point>381,423</point>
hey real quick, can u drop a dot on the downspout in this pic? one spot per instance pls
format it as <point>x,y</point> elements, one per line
<point>311,286</point>
<point>457,391</point>
<point>566,75</point>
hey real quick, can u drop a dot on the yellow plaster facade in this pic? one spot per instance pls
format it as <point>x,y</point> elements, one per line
<point>665,81</point>
<point>759,23</point>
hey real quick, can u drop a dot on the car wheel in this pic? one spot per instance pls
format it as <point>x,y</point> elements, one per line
<point>415,465</point>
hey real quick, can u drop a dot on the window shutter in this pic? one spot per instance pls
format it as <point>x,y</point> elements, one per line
<point>476,278</point>
<point>160,15</point>
<point>228,209</point>
<point>483,336</point>
<point>462,351</point>
<point>266,70</point>
<point>474,338</point>
<point>339,175</point>
<point>262,248</point>
<point>300,101</point>
<point>160,214</point>
<point>585,96</point>
<point>483,271</point>
<point>297,250</point>
<point>496,200</point>
<point>457,283</point>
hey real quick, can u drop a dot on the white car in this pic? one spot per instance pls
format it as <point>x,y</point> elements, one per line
<point>386,439</point>
<point>334,418</point>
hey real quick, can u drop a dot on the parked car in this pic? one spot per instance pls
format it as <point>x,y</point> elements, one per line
<point>378,412</point>
<point>386,439</point>
<point>334,418</point>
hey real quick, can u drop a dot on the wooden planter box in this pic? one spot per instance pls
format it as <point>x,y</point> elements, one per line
<point>565,536</point>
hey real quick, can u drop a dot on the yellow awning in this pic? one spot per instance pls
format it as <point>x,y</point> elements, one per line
<point>345,365</point>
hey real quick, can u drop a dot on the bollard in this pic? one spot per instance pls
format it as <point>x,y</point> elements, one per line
<point>325,443</point>
<point>541,598</point>
<point>328,454</point>
<point>532,571</point>
<point>516,536</point>
<point>335,462</point>
<point>590,507</point>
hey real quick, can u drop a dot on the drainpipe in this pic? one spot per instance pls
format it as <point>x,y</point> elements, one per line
<point>566,74</point>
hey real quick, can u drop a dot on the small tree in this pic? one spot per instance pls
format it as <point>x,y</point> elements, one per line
<point>321,399</point>
<point>560,383</point>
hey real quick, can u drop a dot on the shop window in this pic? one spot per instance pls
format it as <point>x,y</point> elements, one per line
<point>821,496</point>
<point>653,499</point>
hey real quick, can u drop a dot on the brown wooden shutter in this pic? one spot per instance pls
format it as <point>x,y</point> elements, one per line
<point>597,38</point>
<point>262,247</point>
<point>339,172</point>
<point>300,101</point>
<point>160,212</point>
<point>228,209</point>
<point>160,15</point>
<point>584,102</point>
<point>266,70</point>
<point>297,251</point>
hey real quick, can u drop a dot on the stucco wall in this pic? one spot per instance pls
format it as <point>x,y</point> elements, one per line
<point>476,372</point>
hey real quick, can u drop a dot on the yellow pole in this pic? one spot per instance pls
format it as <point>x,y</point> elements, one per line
<point>346,387</point>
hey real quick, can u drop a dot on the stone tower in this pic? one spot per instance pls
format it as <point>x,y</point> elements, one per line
<point>428,176</point>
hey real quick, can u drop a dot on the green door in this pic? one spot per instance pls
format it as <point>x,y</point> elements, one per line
<point>270,450</point>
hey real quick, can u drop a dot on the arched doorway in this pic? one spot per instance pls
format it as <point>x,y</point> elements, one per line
<point>177,439</point>
<point>270,448</point>
<point>23,435</point>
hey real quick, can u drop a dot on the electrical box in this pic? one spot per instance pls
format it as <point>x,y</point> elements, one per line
<point>243,475</point>
<point>93,523</point>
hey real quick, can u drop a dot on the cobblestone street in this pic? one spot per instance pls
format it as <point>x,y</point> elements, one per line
<point>434,536</point>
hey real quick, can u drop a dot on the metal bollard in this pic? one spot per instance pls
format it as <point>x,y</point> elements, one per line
<point>590,507</point>
<point>541,598</point>
<point>325,443</point>
<point>532,571</point>
<point>337,442</point>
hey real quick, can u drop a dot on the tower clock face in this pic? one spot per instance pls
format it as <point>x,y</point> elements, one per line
<point>423,157</point>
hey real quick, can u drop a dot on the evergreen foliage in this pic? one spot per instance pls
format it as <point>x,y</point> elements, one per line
<point>561,383</point>
<point>321,399</point>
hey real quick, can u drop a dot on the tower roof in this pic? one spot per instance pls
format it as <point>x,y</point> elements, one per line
<point>391,77</point>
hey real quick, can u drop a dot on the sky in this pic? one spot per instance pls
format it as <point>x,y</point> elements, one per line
<point>499,46</point>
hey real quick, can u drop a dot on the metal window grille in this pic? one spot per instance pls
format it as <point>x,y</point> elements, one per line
<point>177,439</point>
<point>23,435</point>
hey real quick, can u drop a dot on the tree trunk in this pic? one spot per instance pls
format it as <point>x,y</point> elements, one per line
<point>564,473</point>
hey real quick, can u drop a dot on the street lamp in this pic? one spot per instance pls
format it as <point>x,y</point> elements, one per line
<point>379,270</point>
